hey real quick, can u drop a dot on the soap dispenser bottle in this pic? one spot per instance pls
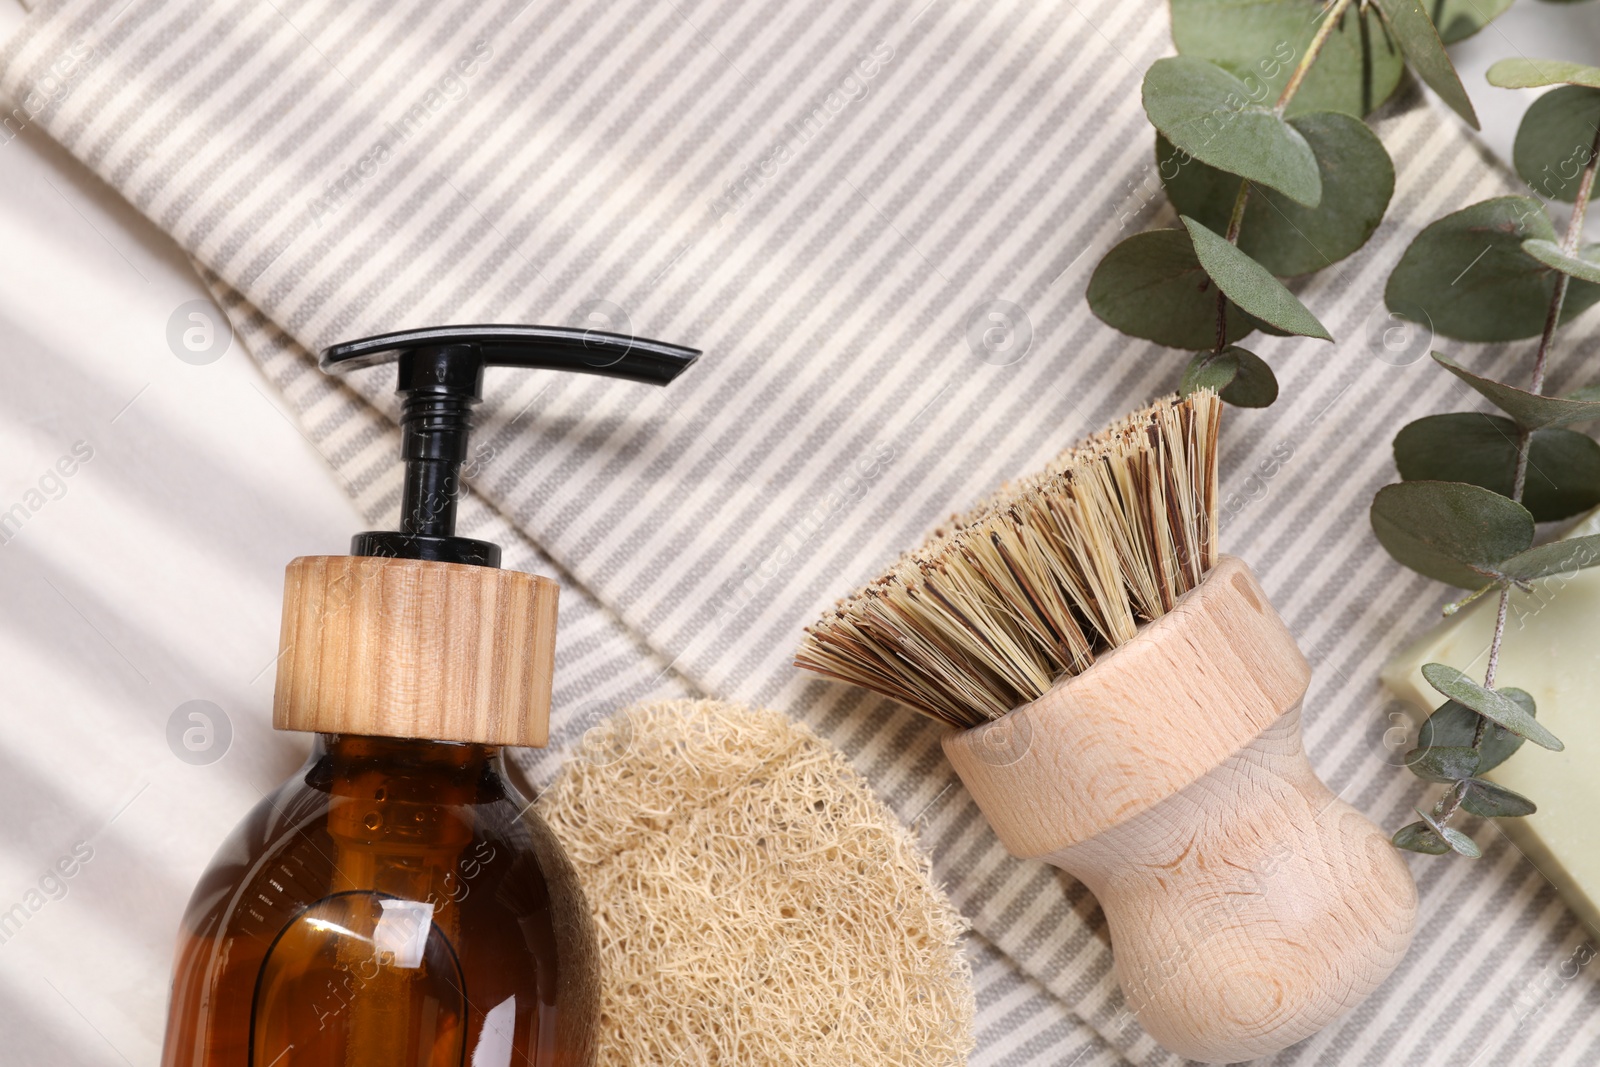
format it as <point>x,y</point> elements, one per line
<point>396,903</point>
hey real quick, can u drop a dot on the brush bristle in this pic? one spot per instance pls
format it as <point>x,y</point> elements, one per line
<point>1029,585</point>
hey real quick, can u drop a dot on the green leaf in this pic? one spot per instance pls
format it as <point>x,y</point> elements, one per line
<point>1563,476</point>
<point>1420,42</point>
<point>1449,531</point>
<point>1440,764</point>
<point>1557,557</point>
<point>1554,141</point>
<point>1494,801</point>
<point>1357,70</point>
<point>1151,285</point>
<point>1209,114</point>
<point>1490,703</point>
<point>1524,73</point>
<point>1588,394</point>
<point>1532,410</point>
<point>1468,275</point>
<point>1281,235</point>
<point>1265,327</point>
<point>1459,19</point>
<point>1457,840</point>
<point>1250,285</point>
<point>1460,842</point>
<point>1419,837</point>
<point>1237,375</point>
<point>1453,724</point>
<point>1551,255</point>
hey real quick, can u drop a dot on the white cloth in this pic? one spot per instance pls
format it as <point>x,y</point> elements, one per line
<point>822,197</point>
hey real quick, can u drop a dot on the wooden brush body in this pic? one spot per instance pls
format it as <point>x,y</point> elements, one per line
<point>1248,906</point>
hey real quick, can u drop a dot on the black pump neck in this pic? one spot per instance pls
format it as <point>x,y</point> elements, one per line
<point>441,378</point>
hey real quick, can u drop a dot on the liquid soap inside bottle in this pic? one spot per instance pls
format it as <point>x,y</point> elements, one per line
<point>393,905</point>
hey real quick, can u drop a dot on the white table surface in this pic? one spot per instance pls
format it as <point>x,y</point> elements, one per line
<point>155,579</point>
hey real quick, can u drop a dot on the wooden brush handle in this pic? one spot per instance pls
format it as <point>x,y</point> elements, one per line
<point>1248,906</point>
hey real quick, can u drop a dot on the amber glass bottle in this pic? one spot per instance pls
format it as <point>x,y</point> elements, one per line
<point>393,905</point>
<point>396,904</point>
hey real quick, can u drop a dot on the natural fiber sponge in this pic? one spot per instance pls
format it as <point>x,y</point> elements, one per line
<point>756,903</point>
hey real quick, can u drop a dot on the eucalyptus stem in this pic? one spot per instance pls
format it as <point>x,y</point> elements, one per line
<point>1452,800</point>
<point>1235,222</point>
<point>1569,245</point>
<point>1330,18</point>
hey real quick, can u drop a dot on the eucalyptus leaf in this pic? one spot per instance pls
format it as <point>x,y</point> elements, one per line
<point>1468,275</point>
<point>1421,44</point>
<point>1588,394</point>
<point>1357,69</point>
<point>1555,139</point>
<point>1454,724</point>
<point>1265,327</point>
<point>1490,703</point>
<point>1151,285</point>
<point>1584,265</point>
<point>1209,113</point>
<point>1237,375</point>
<point>1557,557</point>
<point>1458,841</point>
<point>1494,801</point>
<point>1532,410</point>
<point>1563,476</point>
<point>1523,73</point>
<point>1440,764</point>
<point>1459,19</point>
<point>1419,837</point>
<point>1250,285</point>
<point>1283,236</point>
<point>1449,531</point>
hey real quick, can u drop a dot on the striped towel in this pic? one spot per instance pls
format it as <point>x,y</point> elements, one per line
<point>831,199</point>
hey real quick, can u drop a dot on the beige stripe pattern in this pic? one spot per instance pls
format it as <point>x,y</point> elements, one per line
<point>829,198</point>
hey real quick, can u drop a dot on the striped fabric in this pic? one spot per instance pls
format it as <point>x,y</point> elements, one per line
<point>828,198</point>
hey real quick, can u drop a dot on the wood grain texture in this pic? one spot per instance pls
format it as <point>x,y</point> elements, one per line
<point>412,648</point>
<point>1248,906</point>
<point>1146,720</point>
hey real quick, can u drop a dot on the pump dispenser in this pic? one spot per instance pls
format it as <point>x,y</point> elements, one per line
<point>396,903</point>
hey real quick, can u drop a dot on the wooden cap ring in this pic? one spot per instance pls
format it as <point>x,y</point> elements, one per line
<point>413,648</point>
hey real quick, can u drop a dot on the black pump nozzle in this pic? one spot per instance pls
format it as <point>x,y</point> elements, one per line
<point>441,377</point>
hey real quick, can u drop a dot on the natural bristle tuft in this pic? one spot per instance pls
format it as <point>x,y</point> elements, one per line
<point>1028,586</point>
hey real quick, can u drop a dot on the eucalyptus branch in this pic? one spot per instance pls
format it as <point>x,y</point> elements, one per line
<point>1569,245</point>
<point>1448,803</point>
<point>1330,18</point>
<point>1225,140</point>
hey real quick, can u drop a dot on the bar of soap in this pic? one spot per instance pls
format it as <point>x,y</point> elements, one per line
<point>1552,650</point>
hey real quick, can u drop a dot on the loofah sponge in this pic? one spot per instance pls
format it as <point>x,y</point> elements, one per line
<point>756,903</point>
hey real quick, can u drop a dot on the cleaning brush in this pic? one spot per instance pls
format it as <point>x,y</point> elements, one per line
<point>1125,704</point>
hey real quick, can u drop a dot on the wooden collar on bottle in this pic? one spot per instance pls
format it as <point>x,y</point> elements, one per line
<point>1146,720</point>
<point>413,648</point>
